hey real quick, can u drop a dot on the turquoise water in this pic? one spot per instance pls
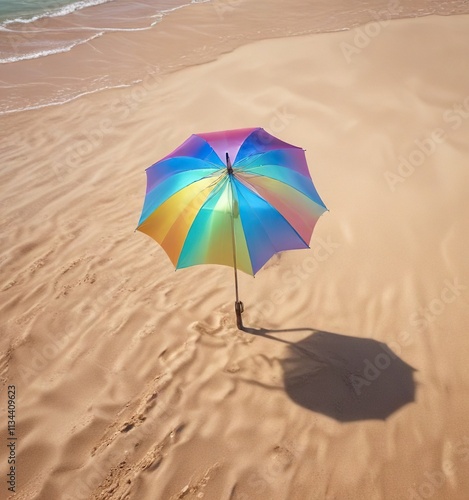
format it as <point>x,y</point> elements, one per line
<point>52,51</point>
<point>27,9</point>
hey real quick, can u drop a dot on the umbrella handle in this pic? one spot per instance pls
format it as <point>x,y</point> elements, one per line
<point>239,308</point>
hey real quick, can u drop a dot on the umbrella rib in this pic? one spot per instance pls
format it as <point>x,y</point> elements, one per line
<point>178,191</point>
<point>290,146</point>
<point>215,166</point>
<point>245,169</point>
<point>273,208</point>
<point>250,170</point>
<point>254,190</point>
<point>243,179</point>
<point>260,222</point>
<point>217,180</point>
<point>181,172</point>
<point>238,194</point>
<point>216,187</point>
<point>190,183</point>
<point>260,155</point>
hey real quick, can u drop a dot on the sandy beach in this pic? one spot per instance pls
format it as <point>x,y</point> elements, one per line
<point>131,381</point>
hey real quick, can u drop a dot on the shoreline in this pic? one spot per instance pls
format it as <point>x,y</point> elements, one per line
<point>218,36</point>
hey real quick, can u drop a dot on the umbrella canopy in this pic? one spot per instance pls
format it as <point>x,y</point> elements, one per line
<point>233,198</point>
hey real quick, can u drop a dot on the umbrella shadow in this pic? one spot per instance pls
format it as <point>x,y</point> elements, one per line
<point>346,378</point>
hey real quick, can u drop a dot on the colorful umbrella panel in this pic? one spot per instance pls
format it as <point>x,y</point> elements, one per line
<point>233,198</point>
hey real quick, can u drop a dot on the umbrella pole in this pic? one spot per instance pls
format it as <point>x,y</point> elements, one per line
<point>239,307</point>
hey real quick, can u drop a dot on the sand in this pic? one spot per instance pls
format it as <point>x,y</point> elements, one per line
<point>131,379</point>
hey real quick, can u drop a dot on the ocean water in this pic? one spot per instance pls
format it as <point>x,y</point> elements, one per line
<point>54,51</point>
<point>34,34</point>
<point>31,29</point>
<point>26,9</point>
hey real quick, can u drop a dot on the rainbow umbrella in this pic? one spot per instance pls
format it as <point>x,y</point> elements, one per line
<point>233,198</point>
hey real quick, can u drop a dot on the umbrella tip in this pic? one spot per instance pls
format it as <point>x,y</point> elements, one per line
<point>228,163</point>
